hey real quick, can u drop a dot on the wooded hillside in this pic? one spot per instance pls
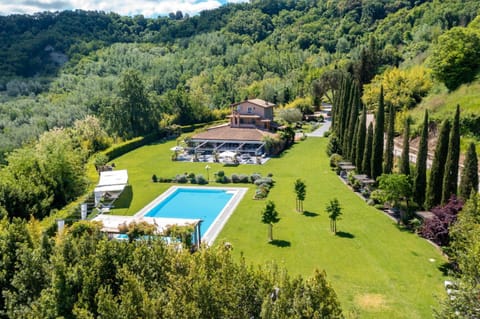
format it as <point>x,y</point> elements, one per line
<point>58,67</point>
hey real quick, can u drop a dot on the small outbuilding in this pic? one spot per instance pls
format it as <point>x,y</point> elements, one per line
<point>110,185</point>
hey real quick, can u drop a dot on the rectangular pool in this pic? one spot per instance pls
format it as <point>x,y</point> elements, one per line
<point>212,205</point>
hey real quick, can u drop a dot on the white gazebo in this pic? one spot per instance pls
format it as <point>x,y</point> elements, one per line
<point>111,183</point>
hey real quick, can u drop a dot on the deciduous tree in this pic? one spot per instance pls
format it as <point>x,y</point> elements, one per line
<point>301,193</point>
<point>270,217</point>
<point>334,211</point>
<point>455,55</point>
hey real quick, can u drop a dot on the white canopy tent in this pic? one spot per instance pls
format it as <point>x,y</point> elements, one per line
<point>112,182</point>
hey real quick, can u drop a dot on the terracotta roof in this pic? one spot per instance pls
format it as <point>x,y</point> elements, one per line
<point>227,133</point>
<point>258,102</point>
<point>246,116</point>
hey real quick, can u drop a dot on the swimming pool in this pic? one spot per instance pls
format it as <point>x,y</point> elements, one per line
<point>212,205</point>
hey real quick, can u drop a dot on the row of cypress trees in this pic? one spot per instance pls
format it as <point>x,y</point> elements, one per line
<point>353,140</point>
<point>364,147</point>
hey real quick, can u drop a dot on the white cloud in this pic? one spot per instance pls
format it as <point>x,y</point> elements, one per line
<point>148,8</point>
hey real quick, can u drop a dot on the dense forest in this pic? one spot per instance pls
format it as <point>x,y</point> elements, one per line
<point>73,83</point>
<point>59,67</point>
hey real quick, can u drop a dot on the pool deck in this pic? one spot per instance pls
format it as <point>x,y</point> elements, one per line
<point>112,222</point>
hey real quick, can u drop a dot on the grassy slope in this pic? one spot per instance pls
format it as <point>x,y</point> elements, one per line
<point>442,105</point>
<point>380,272</point>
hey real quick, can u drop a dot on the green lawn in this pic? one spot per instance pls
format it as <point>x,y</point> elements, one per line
<point>377,270</point>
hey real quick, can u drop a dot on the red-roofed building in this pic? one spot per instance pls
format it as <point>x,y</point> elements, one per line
<point>250,122</point>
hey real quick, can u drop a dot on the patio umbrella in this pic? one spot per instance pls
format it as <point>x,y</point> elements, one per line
<point>176,148</point>
<point>227,154</point>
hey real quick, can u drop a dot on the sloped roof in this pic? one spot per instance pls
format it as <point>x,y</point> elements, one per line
<point>227,133</point>
<point>108,178</point>
<point>258,102</point>
<point>112,181</point>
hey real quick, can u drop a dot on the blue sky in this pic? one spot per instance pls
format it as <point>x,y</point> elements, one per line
<point>149,8</point>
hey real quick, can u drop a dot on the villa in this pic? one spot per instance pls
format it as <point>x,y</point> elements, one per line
<point>251,121</point>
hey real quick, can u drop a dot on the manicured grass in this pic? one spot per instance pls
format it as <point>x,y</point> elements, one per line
<point>377,270</point>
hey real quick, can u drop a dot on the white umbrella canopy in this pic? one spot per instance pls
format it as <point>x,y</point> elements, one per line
<point>176,148</point>
<point>227,154</point>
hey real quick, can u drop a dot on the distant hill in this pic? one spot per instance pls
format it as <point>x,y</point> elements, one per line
<point>58,67</point>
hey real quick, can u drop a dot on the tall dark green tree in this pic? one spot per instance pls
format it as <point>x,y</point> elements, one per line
<point>405,160</point>
<point>378,139</point>
<point>367,154</point>
<point>450,178</point>
<point>361,137</point>
<point>420,181</point>
<point>469,180</point>
<point>435,182</point>
<point>368,63</point>
<point>352,120</point>
<point>132,115</point>
<point>353,144</point>
<point>345,110</point>
<point>387,168</point>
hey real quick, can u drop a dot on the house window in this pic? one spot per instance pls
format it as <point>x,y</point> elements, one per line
<point>249,110</point>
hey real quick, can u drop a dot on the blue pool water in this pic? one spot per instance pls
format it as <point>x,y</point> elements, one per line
<point>193,203</point>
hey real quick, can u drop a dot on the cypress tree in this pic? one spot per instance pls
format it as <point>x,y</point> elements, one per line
<point>353,148</point>
<point>450,178</point>
<point>346,111</point>
<point>367,155</point>
<point>420,181</point>
<point>405,160</point>
<point>361,136</point>
<point>387,169</point>
<point>469,180</point>
<point>353,119</point>
<point>377,149</point>
<point>434,187</point>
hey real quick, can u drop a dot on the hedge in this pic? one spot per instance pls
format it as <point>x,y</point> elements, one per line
<point>128,146</point>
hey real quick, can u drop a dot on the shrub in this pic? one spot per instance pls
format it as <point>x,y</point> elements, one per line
<point>154,178</point>
<point>182,179</point>
<point>222,179</point>
<point>235,178</point>
<point>201,180</point>
<point>333,145</point>
<point>335,159</point>
<point>165,180</point>
<point>254,177</point>
<point>261,193</point>
<point>191,178</point>
<point>100,160</point>
<point>326,133</point>
<point>437,229</point>
<point>243,178</point>
<point>266,180</point>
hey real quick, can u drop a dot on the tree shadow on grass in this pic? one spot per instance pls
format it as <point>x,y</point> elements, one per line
<point>280,243</point>
<point>309,214</point>
<point>343,234</point>
<point>125,198</point>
